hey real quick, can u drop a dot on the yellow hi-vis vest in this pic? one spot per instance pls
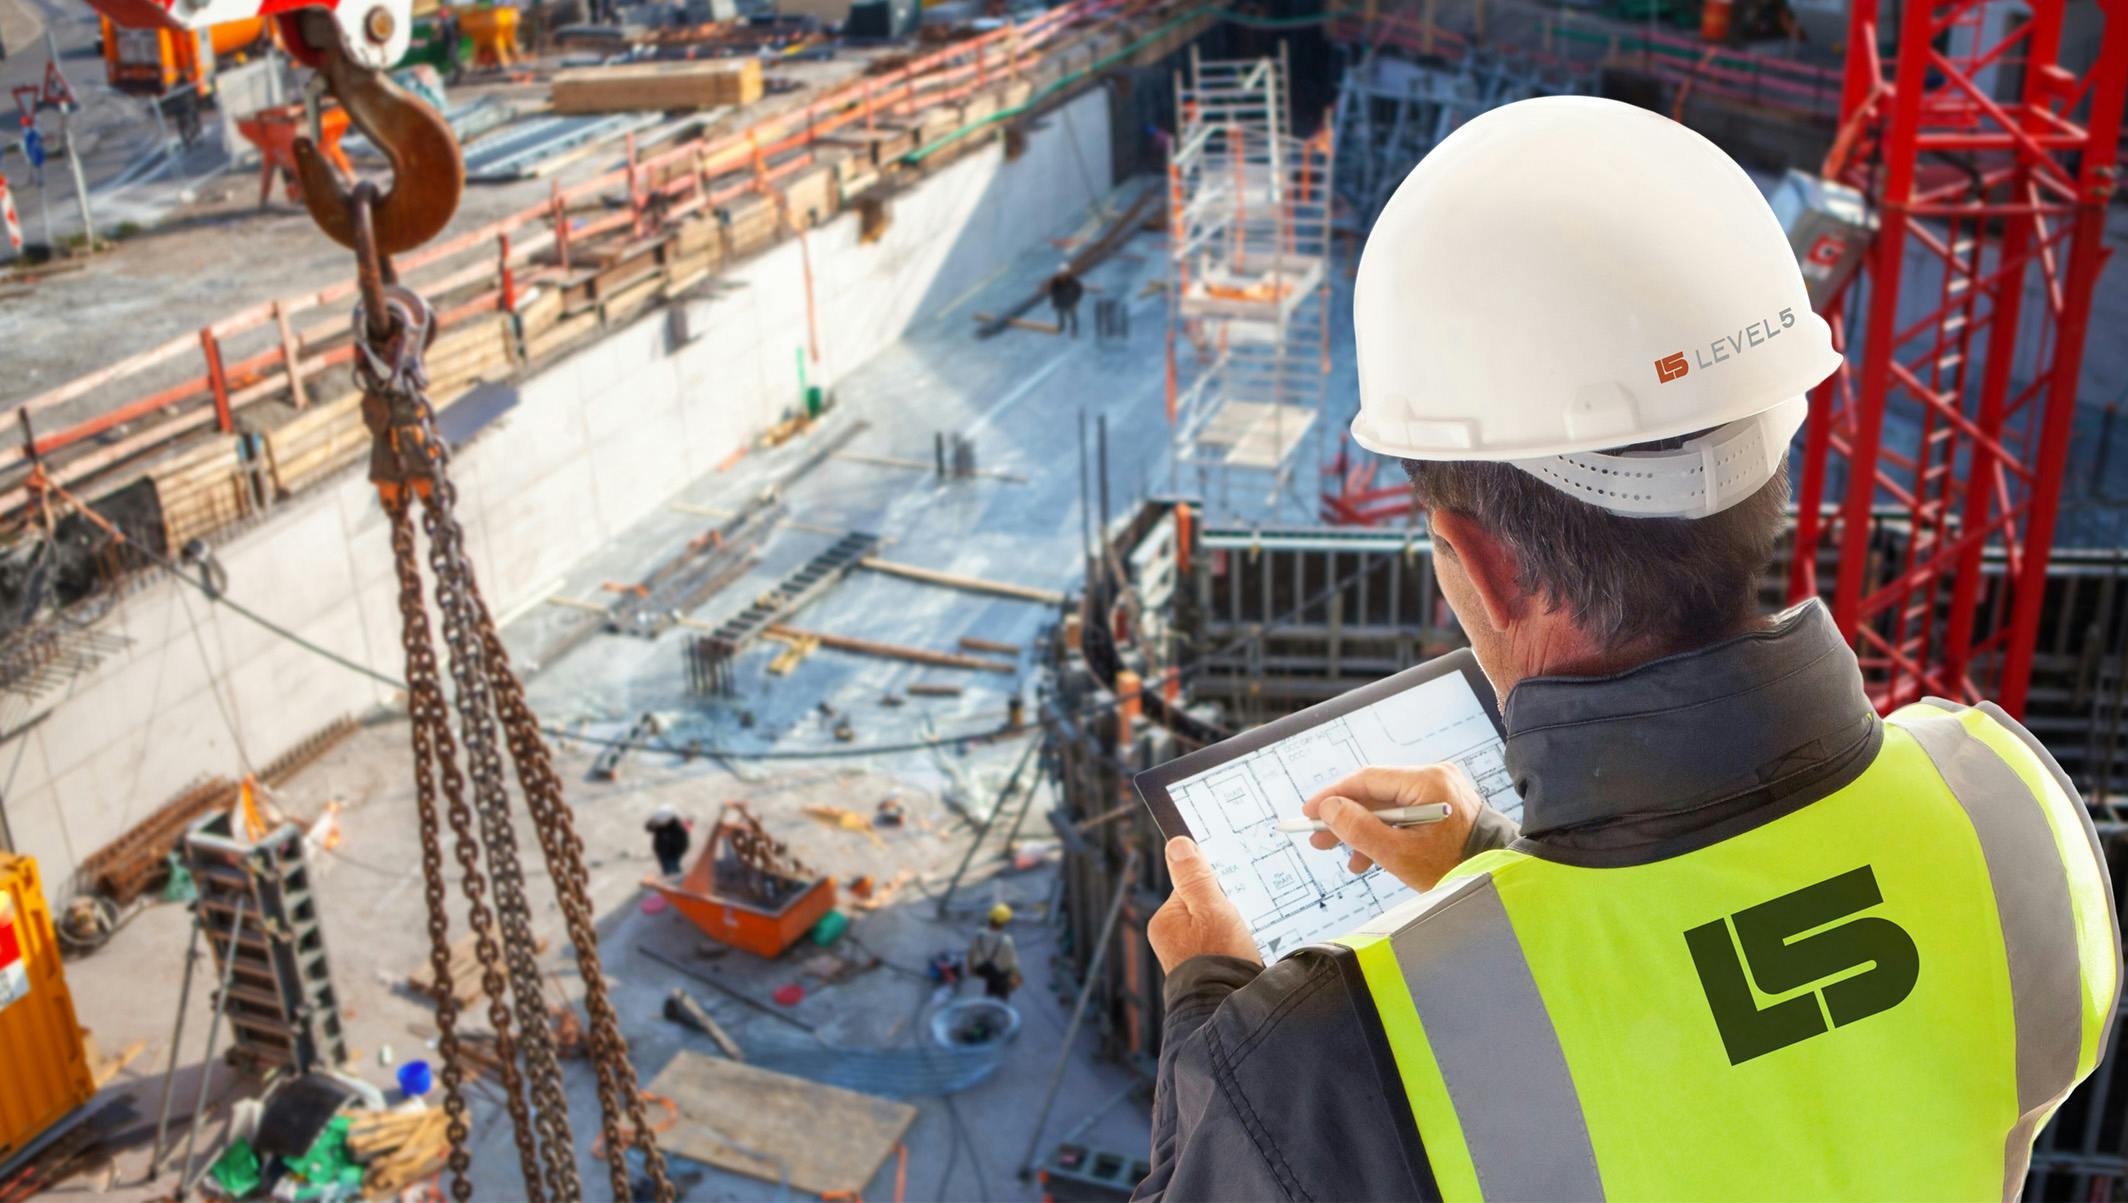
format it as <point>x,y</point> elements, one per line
<point>1881,995</point>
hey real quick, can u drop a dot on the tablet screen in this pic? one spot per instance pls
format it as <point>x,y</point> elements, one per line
<point>1289,892</point>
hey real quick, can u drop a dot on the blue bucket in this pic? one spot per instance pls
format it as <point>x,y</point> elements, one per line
<point>415,1079</point>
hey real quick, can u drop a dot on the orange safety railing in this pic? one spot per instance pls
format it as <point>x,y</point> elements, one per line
<point>1581,41</point>
<point>501,254</point>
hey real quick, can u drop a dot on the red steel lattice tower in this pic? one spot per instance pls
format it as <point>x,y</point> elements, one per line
<point>1938,451</point>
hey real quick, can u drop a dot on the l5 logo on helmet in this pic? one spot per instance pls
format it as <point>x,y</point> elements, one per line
<point>1725,348</point>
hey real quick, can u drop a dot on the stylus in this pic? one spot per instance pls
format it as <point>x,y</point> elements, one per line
<point>1396,816</point>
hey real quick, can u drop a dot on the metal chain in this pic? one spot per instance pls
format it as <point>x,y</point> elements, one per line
<point>392,329</point>
<point>390,372</point>
<point>421,694</point>
<point>618,1091</point>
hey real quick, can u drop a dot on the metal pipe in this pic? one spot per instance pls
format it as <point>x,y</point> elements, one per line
<point>214,1031</point>
<point>1078,1011</point>
<point>989,821</point>
<point>184,998</point>
<point>1102,463</point>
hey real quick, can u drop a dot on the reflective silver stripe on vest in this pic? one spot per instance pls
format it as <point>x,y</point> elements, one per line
<point>2098,853</point>
<point>1494,1043</point>
<point>2038,927</point>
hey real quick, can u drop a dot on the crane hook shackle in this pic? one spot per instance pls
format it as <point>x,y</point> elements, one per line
<point>428,172</point>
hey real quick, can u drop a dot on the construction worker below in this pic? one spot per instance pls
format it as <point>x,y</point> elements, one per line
<point>670,837</point>
<point>1749,940</point>
<point>993,957</point>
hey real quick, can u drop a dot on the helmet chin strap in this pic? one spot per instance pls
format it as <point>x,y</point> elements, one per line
<point>1704,477</point>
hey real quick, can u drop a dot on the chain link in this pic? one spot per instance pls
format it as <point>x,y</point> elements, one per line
<point>409,461</point>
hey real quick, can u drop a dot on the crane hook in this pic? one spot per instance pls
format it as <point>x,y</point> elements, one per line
<point>428,172</point>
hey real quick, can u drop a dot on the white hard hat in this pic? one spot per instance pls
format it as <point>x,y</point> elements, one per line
<point>664,814</point>
<point>1569,274</point>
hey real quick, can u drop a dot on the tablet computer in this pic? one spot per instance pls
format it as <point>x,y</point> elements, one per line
<point>1229,796</point>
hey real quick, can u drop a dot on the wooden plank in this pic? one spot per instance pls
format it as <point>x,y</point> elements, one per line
<point>1024,323</point>
<point>291,357</point>
<point>660,86</point>
<point>890,651</point>
<point>780,1119</point>
<point>1048,597</point>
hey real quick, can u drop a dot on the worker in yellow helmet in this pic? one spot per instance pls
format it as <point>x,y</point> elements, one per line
<point>993,957</point>
<point>1750,940</point>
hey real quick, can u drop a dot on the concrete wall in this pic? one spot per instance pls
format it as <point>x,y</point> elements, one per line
<point>595,442</point>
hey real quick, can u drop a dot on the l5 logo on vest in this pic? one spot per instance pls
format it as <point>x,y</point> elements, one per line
<point>1782,961</point>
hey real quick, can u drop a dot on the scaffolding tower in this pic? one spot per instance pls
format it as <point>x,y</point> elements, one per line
<point>1249,211</point>
<point>1986,156</point>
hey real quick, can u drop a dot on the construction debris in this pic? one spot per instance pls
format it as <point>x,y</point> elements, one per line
<point>608,765</point>
<point>681,1008</point>
<point>847,819</point>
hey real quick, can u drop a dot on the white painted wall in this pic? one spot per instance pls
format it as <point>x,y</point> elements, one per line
<point>595,442</point>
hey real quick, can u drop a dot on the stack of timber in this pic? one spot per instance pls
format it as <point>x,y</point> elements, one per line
<point>877,147</point>
<point>750,222</point>
<point>477,349</point>
<point>315,442</point>
<point>328,436</point>
<point>639,87</point>
<point>398,1148</point>
<point>696,251</point>
<point>550,324</point>
<point>466,984</point>
<point>812,193</point>
<point>201,490</point>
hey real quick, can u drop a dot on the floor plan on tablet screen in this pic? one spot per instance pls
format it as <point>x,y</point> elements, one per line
<point>1291,893</point>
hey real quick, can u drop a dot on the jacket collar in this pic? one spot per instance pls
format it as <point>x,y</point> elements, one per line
<point>1650,751</point>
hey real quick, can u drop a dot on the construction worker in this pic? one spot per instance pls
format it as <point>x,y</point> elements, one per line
<point>1749,941</point>
<point>670,837</point>
<point>1065,290</point>
<point>993,957</point>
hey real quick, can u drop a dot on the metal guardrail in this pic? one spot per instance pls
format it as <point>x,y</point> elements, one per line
<point>1567,39</point>
<point>497,259</point>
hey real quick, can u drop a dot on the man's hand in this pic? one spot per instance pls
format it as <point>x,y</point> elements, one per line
<point>1196,920</point>
<point>1416,856</point>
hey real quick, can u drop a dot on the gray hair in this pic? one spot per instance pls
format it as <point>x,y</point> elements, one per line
<point>1659,584</point>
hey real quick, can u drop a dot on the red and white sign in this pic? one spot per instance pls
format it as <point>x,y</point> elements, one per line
<point>1827,250</point>
<point>14,975</point>
<point>10,225</point>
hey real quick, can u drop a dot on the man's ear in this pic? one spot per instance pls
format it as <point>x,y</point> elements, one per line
<point>1491,567</point>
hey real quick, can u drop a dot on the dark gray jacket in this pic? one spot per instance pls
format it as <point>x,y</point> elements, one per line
<point>1277,1084</point>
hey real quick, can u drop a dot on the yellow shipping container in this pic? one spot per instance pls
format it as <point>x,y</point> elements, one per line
<point>44,1064</point>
